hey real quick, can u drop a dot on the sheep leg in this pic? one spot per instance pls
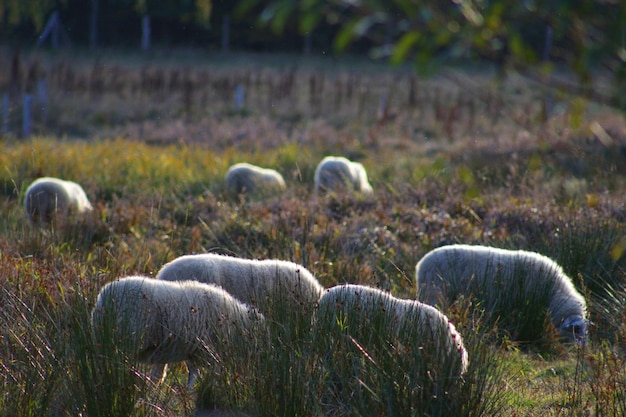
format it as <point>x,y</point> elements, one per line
<point>193,374</point>
<point>158,373</point>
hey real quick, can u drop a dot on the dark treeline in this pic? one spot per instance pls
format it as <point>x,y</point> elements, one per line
<point>528,39</point>
<point>118,25</point>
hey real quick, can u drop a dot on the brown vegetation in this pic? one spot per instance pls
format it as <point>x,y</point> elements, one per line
<point>462,157</point>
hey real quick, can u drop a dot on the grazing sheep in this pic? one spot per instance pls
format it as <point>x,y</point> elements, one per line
<point>48,197</point>
<point>505,282</point>
<point>252,180</point>
<point>260,283</point>
<point>169,322</point>
<point>417,334</point>
<point>336,173</point>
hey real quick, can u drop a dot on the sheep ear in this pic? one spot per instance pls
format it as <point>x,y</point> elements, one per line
<point>571,321</point>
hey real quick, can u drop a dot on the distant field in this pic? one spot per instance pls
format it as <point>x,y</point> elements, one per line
<point>464,156</point>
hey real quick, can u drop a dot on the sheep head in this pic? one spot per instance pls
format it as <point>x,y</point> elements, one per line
<point>574,327</point>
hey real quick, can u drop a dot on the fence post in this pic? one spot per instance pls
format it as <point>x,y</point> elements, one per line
<point>42,98</point>
<point>145,32</point>
<point>226,33</point>
<point>308,43</point>
<point>93,24</point>
<point>5,113</point>
<point>51,30</point>
<point>239,97</point>
<point>27,115</point>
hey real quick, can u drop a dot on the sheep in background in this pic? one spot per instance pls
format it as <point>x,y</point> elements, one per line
<point>336,173</point>
<point>49,197</point>
<point>406,338</point>
<point>265,284</point>
<point>167,322</point>
<point>244,178</point>
<point>504,282</point>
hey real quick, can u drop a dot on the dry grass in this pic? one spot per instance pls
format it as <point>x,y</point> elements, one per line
<point>464,157</point>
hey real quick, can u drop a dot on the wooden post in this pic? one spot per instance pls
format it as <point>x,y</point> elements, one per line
<point>145,33</point>
<point>547,46</point>
<point>239,97</point>
<point>226,33</point>
<point>5,113</point>
<point>307,44</point>
<point>93,24</point>
<point>51,30</point>
<point>55,31</point>
<point>27,115</point>
<point>42,97</point>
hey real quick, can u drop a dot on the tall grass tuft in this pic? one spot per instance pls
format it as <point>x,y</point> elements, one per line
<point>31,367</point>
<point>267,373</point>
<point>482,393</point>
<point>606,370</point>
<point>378,355</point>
<point>55,364</point>
<point>106,380</point>
<point>586,250</point>
<point>333,369</point>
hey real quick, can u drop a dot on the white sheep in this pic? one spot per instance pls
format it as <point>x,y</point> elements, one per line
<point>49,197</point>
<point>503,281</point>
<point>265,284</point>
<point>367,314</point>
<point>167,322</point>
<point>253,180</point>
<point>336,173</point>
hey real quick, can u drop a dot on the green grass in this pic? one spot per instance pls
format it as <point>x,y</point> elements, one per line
<point>154,171</point>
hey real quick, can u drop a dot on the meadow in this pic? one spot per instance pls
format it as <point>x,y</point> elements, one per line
<point>465,156</point>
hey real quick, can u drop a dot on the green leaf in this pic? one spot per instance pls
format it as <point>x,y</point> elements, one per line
<point>245,6</point>
<point>281,16</point>
<point>309,21</point>
<point>344,37</point>
<point>516,45</point>
<point>403,46</point>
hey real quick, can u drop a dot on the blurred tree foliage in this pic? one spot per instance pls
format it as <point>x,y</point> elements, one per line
<point>20,19</point>
<point>15,12</point>
<point>529,35</point>
<point>198,11</point>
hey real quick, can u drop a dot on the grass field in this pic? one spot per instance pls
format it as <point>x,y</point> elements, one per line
<point>466,156</point>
